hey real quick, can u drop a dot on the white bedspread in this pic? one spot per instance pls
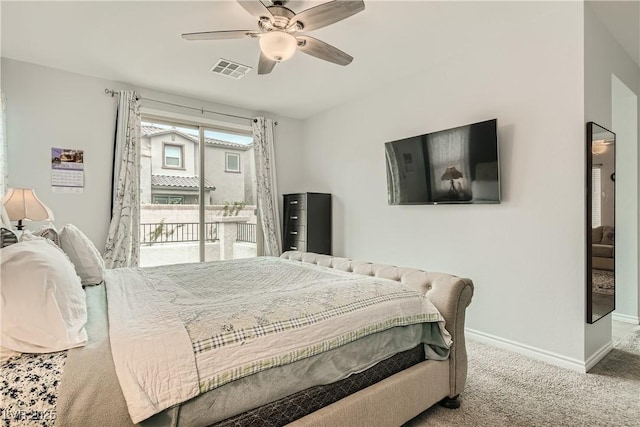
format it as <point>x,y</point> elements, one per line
<point>178,331</point>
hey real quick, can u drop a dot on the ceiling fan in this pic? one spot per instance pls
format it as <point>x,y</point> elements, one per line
<point>279,27</point>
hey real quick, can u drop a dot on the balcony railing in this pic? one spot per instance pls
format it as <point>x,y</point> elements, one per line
<point>246,232</point>
<point>174,232</point>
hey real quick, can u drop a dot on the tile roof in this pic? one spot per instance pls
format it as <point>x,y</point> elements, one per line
<point>179,181</point>
<point>149,130</point>
<point>153,130</point>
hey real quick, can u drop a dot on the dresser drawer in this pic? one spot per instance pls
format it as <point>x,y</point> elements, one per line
<point>294,231</point>
<point>294,245</point>
<point>295,217</point>
<point>294,201</point>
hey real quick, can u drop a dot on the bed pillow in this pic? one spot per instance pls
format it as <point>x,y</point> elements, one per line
<point>608,235</point>
<point>49,232</point>
<point>43,305</point>
<point>7,237</point>
<point>83,254</point>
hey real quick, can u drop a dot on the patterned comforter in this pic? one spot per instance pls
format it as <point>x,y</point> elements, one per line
<point>179,331</point>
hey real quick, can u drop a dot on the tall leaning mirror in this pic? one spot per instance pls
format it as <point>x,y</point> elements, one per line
<point>601,248</point>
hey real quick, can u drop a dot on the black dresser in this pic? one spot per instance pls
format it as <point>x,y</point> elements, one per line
<point>307,223</point>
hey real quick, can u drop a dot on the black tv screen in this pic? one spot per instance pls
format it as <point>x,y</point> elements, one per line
<point>458,165</point>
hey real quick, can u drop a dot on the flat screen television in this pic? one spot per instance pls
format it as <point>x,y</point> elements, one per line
<point>458,165</point>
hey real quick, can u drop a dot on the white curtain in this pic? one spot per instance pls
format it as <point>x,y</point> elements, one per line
<point>267,192</point>
<point>123,241</point>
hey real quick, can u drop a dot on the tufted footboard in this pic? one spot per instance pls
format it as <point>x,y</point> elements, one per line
<point>450,294</point>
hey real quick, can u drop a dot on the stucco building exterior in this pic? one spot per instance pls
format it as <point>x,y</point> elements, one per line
<point>169,166</point>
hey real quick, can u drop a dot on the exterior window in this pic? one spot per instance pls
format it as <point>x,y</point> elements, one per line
<point>172,156</point>
<point>168,200</point>
<point>232,162</point>
<point>596,196</point>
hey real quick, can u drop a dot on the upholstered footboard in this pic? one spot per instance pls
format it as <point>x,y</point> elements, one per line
<point>406,394</point>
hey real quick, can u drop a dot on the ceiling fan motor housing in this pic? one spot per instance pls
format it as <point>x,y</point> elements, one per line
<point>280,20</point>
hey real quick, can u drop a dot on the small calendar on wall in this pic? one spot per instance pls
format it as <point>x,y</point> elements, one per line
<point>67,170</point>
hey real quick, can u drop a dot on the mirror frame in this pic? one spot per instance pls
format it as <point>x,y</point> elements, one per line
<point>589,234</point>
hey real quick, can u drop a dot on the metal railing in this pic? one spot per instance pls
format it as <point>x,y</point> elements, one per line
<point>175,232</point>
<point>246,232</point>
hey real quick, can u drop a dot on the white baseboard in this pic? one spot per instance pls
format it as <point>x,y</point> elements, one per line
<point>538,354</point>
<point>625,318</point>
<point>598,356</point>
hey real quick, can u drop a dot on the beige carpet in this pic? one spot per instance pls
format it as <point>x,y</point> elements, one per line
<point>507,389</point>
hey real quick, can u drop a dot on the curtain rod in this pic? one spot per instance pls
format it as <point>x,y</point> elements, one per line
<point>202,110</point>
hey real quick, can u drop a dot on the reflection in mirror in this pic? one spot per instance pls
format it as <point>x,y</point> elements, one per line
<point>600,222</point>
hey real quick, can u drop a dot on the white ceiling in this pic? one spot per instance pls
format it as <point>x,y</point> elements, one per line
<point>138,42</point>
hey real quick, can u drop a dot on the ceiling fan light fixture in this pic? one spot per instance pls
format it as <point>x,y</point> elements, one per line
<point>278,45</point>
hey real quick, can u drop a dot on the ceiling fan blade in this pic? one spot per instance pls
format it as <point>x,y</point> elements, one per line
<point>326,14</point>
<point>265,65</point>
<point>221,35</point>
<point>256,8</point>
<point>322,50</point>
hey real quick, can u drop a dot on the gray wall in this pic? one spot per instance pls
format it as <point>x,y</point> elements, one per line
<point>526,255</point>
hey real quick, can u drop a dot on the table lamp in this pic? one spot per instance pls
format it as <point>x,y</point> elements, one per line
<point>449,175</point>
<point>22,204</point>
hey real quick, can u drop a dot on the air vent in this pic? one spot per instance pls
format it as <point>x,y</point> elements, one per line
<point>230,69</point>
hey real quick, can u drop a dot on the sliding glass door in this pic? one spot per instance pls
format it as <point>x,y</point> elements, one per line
<point>230,201</point>
<point>188,216</point>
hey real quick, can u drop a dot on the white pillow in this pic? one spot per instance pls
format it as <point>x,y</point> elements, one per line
<point>83,254</point>
<point>49,232</point>
<point>44,307</point>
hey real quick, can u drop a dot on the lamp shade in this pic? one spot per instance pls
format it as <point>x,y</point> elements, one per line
<point>23,204</point>
<point>451,173</point>
<point>278,45</point>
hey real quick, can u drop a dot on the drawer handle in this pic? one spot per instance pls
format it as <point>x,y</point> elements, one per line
<point>293,202</point>
<point>293,217</point>
<point>294,232</point>
<point>294,248</point>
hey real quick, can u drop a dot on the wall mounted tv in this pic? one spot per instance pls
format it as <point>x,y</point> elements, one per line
<point>458,165</point>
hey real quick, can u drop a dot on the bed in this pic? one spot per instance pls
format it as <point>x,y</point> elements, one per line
<point>353,352</point>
